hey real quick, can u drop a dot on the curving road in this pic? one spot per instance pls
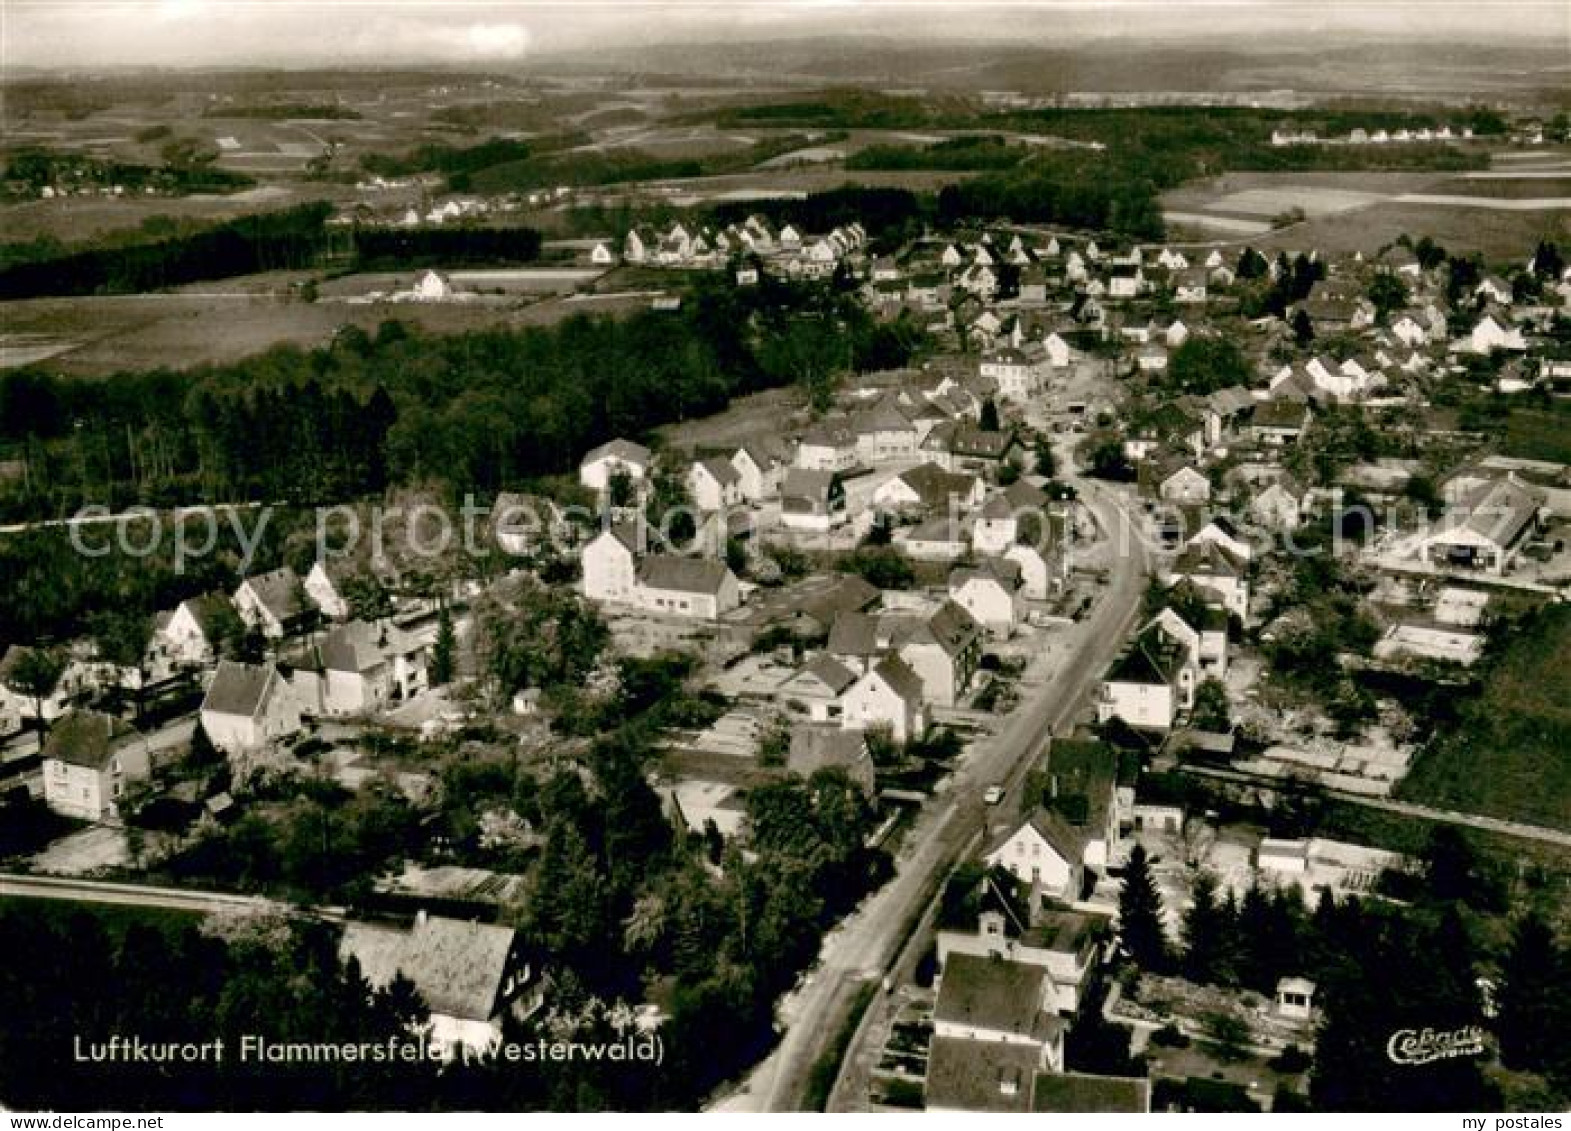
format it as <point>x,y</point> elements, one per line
<point>868,942</point>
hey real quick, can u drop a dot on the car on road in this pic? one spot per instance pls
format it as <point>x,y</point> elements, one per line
<point>994,794</point>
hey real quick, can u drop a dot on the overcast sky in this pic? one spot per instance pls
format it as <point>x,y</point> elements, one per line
<point>65,33</point>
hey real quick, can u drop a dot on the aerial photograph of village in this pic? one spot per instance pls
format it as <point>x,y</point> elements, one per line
<point>852,556</point>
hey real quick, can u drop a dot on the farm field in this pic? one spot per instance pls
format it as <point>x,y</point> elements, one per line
<point>793,182</point>
<point>77,219</point>
<point>95,337</point>
<point>1356,211</point>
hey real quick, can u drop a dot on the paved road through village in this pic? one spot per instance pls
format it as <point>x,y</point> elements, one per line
<point>863,946</point>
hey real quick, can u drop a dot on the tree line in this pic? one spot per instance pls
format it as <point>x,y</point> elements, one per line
<point>1379,967</point>
<point>288,240</point>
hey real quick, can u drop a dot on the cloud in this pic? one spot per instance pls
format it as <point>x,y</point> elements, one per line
<point>497,41</point>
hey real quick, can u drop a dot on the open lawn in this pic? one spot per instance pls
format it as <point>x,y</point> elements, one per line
<point>1511,755</point>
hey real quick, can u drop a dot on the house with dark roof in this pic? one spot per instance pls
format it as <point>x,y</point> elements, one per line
<point>1178,426</point>
<point>889,696</point>
<point>1046,854</point>
<point>964,447</point>
<point>359,668</point>
<point>1172,477</point>
<point>761,464</point>
<point>609,564</point>
<point>89,760</point>
<point>927,489</point>
<point>884,432</point>
<point>689,587</point>
<point>1073,1092</point>
<point>193,632</point>
<point>1154,680</point>
<point>1483,530</point>
<point>249,707</point>
<point>813,499</point>
<point>615,457</point>
<point>1080,777</point>
<point>817,747</point>
<point>980,1076</point>
<point>985,998</point>
<point>941,538</point>
<point>714,484</point>
<point>814,690</point>
<point>830,445</point>
<point>943,650</point>
<point>275,603</point>
<point>1006,511</point>
<point>470,975</point>
<point>991,592</point>
<point>1280,422</point>
<point>1216,570</point>
<point>1065,943</point>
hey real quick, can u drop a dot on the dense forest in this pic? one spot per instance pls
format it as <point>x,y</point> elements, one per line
<point>293,239</point>
<point>288,240</point>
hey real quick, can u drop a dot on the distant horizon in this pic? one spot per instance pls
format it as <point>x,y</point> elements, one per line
<point>506,35</point>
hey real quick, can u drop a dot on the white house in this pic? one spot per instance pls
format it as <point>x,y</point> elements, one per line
<point>274,603</point>
<point>1484,529</point>
<point>432,287</point>
<point>992,593</point>
<point>88,761</point>
<point>468,974</point>
<point>812,500</point>
<point>1004,516</point>
<point>689,587</point>
<point>994,1001</point>
<point>760,470</point>
<point>944,651</point>
<point>1019,376</point>
<point>816,688</point>
<point>615,457</point>
<point>1493,331</point>
<point>714,484</point>
<point>1154,680</point>
<point>360,668</point>
<point>1215,570</point>
<point>193,632</point>
<point>1280,505</point>
<point>1042,571</point>
<point>249,707</point>
<point>889,696</point>
<point>830,446</point>
<point>610,565</point>
<point>1045,853</point>
<point>324,584</point>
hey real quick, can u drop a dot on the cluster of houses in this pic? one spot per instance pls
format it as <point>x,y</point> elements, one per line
<point>1024,957</point>
<point>787,251</point>
<point>325,664</point>
<point>1285,135</point>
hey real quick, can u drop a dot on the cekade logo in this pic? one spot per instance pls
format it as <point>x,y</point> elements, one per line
<point>1423,1046</point>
